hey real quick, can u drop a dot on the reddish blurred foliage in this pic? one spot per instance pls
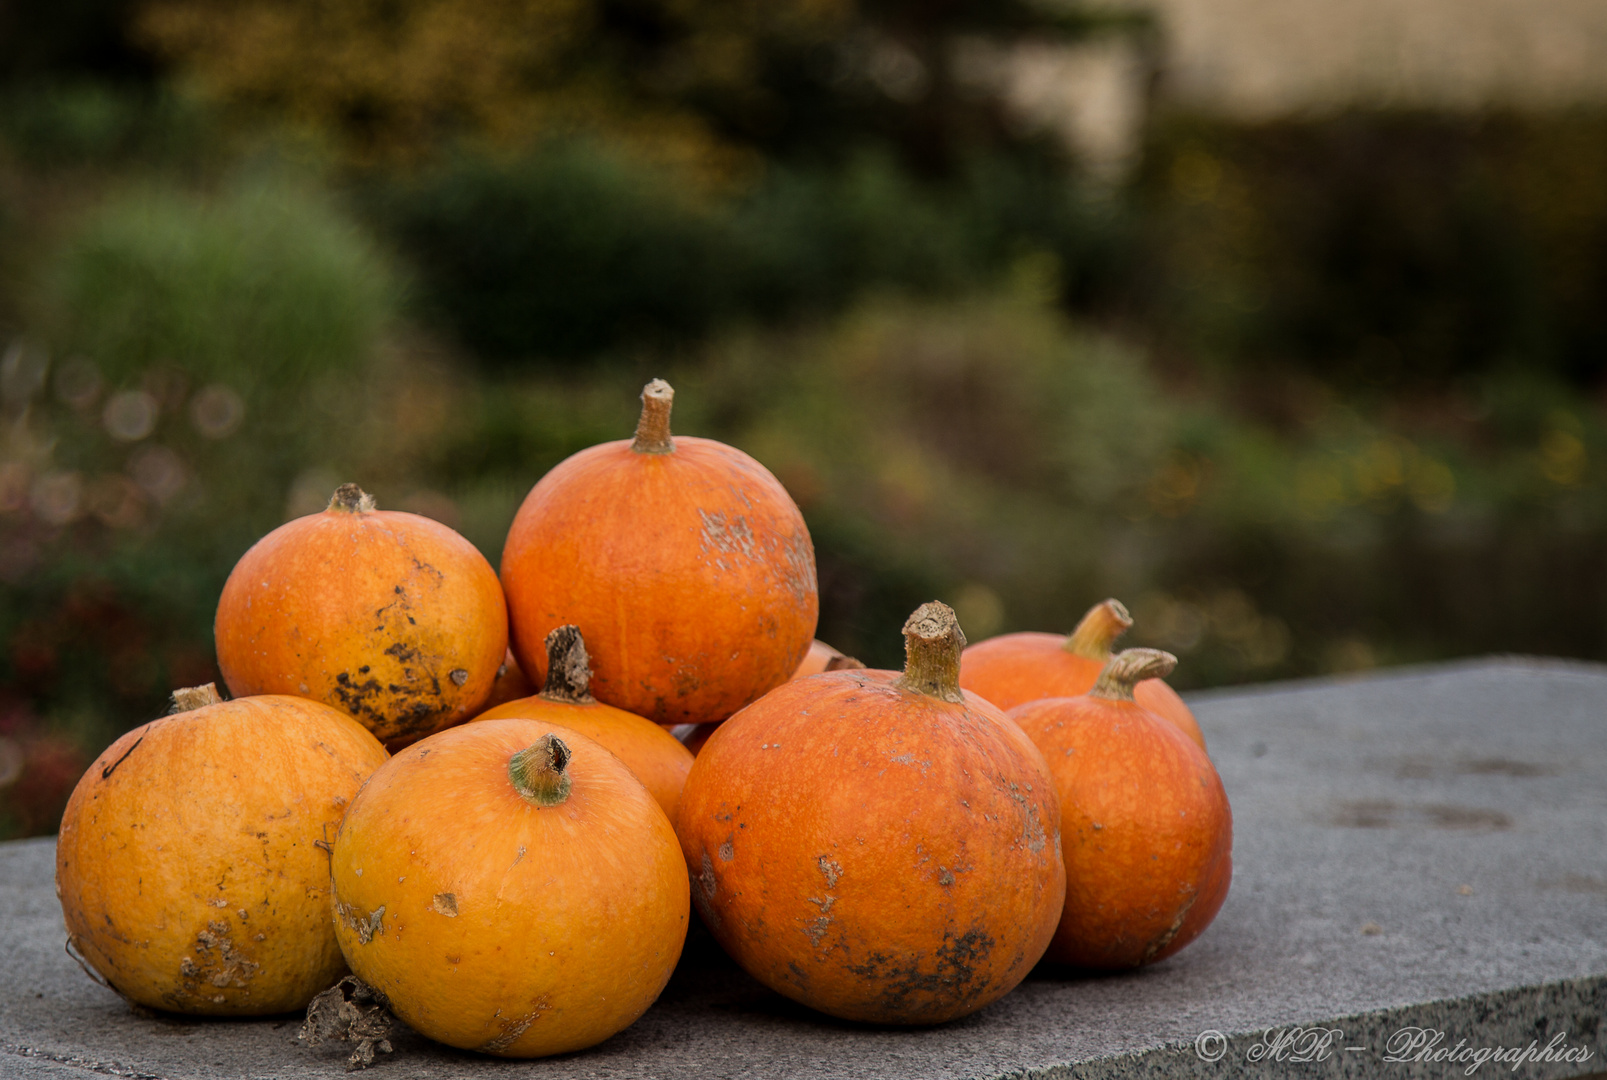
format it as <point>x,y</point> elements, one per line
<point>37,772</point>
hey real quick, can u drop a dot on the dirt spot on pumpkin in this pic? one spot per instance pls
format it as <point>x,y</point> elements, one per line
<point>365,927</point>
<point>830,869</point>
<point>445,903</point>
<point>908,991</point>
<point>1032,830</point>
<point>511,1028</point>
<point>1165,939</point>
<point>798,568</point>
<point>217,963</point>
<point>707,886</point>
<point>728,849</point>
<point>733,536</point>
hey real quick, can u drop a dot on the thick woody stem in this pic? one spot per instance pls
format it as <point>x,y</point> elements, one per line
<point>352,500</point>
<point>538,772</point>
<point>1127,669</point>
<point>932,644</point>
<point>653,429</point>
<point>1105,622</point>
<point>194,697</point>
<point>568,668</point>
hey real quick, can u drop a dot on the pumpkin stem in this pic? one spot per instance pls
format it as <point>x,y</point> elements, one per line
<point>568,668</point>
<point>653,429</point>
<point>352,499</point>
<point>1127,669</point>
<point>932,644</point>
<point>842,662</point>
<point>537,771</point>
<point>1105,622</point>
<point>194,697</point>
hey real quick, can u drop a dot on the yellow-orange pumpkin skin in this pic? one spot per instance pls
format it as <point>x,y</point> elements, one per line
<point>391,617</point>
<point>873,851</point>
<point>1012,669</point>
<point>1145,826</point>
<point>653,755</point>
<point>186,864</point>
<point>496,924</point>
<point>689,571</point>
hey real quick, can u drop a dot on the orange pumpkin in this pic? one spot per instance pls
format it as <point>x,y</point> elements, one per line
<point>1145,823</point>
<point>652,754</point>
<point>682,560</point>
<point>509,685</point>
<point>1014,668</point>
<point>822,657</point>
<point>511,888</point>
<point>391,617</point>
<point>187,863</point>
<point>878,846</point>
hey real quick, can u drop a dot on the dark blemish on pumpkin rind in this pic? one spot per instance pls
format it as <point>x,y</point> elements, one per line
<point>907,991</point>
<point>728,849</point>
<point>459,676</point>
<point>703,894</point>
<point>106,773</point>
<point>355,697</point>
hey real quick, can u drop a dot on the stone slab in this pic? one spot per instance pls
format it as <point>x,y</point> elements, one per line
<point>1420,849</point>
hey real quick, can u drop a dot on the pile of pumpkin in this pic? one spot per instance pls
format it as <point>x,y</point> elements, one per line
<point>883,846</point>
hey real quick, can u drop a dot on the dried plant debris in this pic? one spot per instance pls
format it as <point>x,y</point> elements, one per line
<point>351,1011</point>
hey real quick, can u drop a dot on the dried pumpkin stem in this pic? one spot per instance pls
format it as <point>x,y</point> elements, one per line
<point>653,429</point>
<point>352,500</point>
<point>194,697</point>
<point>1127,669</point>
<point>932,644</point>
<point>1105,622</point>
<point>842,662</point>
<point>537,771</point>
<point>568,668</point>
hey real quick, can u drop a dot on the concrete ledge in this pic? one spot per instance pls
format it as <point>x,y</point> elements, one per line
<point>1424,849</point>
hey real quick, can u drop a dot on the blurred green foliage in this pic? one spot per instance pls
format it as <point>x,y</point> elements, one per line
<point>1383,253</point>
<point>576,249</point>
<point>261,285</point>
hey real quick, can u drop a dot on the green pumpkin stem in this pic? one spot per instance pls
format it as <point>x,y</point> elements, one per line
<point>568,668</point>
<point>1105,622</point>
<point>932,645</point>
<point>653,429</point>
<point>537,772</point>
<point>351,499</point>
<point>1127,669</point>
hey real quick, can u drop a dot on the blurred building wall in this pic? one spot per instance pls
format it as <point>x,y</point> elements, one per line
<point>1254,60</point>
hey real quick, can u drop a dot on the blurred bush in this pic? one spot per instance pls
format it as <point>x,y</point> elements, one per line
<point>193,356</point>
<point>1382,252</point>
<point>72,123</point>
<point>260,286</point>
<point>577,249</point>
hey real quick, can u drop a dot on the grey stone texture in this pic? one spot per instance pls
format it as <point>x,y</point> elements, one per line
<point>1425,848</point>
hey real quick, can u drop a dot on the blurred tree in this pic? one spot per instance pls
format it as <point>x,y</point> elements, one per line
<point>709,83</point>
<point>68,38</point>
